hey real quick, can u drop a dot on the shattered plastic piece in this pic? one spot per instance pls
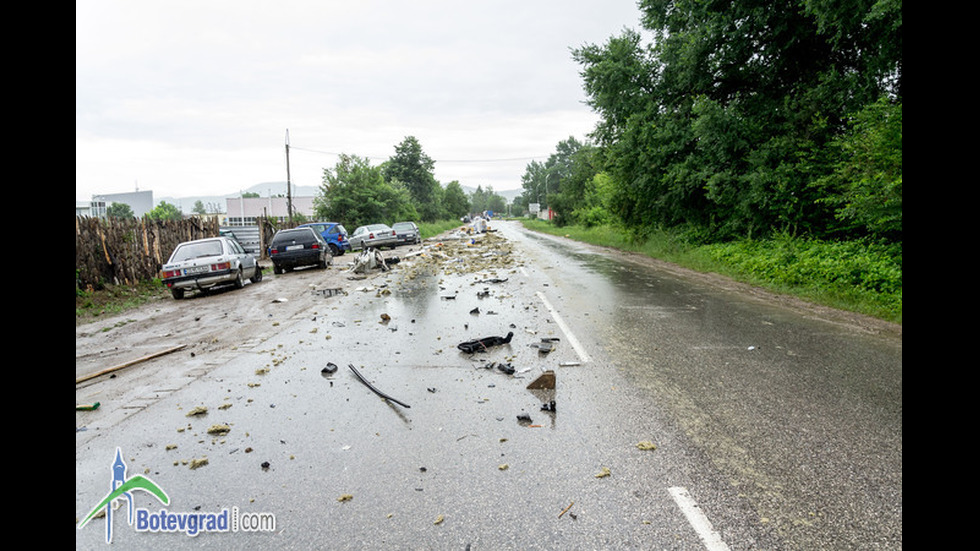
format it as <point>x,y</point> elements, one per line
<point>329,368</point>
<point>646,445</point>
<point>87,407</point>
<point>603,473</point>
<point>524,418</point>
<point>506,368</point>
<point>546,380</point>
<point>550,406</point>
<point>479,345</point>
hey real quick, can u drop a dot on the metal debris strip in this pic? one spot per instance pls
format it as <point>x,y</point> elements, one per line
<point>329,292</point>
<point>375,390</point>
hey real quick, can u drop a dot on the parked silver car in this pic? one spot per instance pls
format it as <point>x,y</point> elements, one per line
<point>373,235</point>
<point>408,233</point>
<point>205,263</point>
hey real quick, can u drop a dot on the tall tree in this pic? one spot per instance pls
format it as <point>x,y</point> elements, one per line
<point>727,119</point>
<point>356,194</point>
<point>411,166</point>
<point>455,202</point>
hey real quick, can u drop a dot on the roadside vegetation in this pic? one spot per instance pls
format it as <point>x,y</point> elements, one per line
<point>855,276</point>
<point>91,304</point>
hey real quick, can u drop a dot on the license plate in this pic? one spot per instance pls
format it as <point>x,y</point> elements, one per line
<point>197,270</point>
<point>293,247</point>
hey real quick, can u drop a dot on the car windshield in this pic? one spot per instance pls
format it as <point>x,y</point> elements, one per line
<point>190,251</point>
<point>403,226</point>
<point>293,234</point>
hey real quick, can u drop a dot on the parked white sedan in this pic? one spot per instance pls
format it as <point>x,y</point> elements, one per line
<point>373,235</point>
<point>205,263</point>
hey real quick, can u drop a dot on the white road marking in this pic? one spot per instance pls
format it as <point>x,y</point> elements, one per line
<point>712,540</point>
<point>582,354</point>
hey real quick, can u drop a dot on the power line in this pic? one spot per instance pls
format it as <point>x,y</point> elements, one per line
<point>506,160</point>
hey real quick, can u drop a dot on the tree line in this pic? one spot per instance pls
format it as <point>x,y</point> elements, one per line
<point>403,187</point>
<point>737,120</point>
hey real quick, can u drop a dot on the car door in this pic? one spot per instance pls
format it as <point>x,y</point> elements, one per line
<point>247,261</point>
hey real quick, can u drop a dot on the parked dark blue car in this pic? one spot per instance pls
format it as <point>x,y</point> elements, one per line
<point>333,233</point>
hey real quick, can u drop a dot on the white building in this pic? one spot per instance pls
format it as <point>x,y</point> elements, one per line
<point>140,202</point>
<point>242,211</point>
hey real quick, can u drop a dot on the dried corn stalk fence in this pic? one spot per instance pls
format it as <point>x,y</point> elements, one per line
<point>127,251</point>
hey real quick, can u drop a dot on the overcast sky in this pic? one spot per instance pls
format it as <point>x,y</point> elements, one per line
<point>188,98</point>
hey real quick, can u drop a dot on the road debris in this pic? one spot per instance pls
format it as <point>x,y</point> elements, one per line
<point>480,345</point>
<point>375,390</point>
<point>545,381</point>
<point>603,473</point>
<point>565,510</point>
<point>127,364</point>
<point>87,407</point>
<point>646,445</point>
<point>371,259</point>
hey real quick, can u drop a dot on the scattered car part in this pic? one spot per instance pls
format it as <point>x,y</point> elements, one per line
<point>546,380</point>
<point>375,390</point>
<point>479,345</point>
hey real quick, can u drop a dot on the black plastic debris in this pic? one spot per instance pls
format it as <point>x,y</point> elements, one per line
<point>329,368</point>
<point>505,368</point>
<point>492,280</point>
<point>550,406</point>
<point>546,345</point>
<point>524,418</point>
<point>480,345</point>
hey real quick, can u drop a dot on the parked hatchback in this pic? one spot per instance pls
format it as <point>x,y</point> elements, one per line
<point>205,263</point>
<point>298,247</point>
<point>374,235</point>
<point>407,232</point>
<point>333,233</point>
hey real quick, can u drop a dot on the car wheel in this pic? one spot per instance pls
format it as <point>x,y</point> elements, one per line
<point>177,293</point>
<point>334,250</point>
<point>239,279</point>
<point>258,274</point>
<point>276,269</point>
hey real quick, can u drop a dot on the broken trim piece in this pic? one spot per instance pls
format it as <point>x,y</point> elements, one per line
<point>376,391</point>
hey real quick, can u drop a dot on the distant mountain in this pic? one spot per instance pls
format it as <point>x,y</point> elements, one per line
<point>265,189</point>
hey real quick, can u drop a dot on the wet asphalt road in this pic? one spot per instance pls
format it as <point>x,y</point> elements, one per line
<point>784,429</point>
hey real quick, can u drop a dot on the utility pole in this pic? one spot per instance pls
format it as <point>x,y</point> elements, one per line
<point>289,192</point>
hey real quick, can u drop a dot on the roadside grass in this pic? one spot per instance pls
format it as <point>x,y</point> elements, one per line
<point>856,276</point>
<point>432,229</point>
<point>91,304</point>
